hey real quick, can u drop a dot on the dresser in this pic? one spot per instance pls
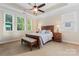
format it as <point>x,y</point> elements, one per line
<point>57,37</point>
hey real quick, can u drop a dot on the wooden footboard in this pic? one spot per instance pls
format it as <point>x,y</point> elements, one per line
<point>35,37</point>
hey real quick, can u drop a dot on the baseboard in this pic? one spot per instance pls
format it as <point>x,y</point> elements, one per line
<point>77,43</point>
<point>3,42</point>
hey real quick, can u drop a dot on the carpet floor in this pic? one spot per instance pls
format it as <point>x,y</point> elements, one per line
<point>49,49</point>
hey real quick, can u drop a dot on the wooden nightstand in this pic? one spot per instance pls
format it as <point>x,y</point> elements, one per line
<point>57,37</point>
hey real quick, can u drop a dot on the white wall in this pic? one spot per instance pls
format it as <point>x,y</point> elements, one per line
<point>73,36</point>
<point>7,36</point>
<point>51,18</point>
<point>54,18</point>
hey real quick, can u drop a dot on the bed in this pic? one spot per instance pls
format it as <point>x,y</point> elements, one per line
<point>43,38</point>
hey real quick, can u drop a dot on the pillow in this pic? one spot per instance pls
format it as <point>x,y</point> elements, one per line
<point>43,31</point>
<point>48,31</point>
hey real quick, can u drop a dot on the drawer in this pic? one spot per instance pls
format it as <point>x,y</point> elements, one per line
<point>57,35</point>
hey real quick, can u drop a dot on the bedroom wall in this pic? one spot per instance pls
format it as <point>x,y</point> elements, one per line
<point>54,18</point>
<point>67,36</point>
<point>72,36</point>
<point>14,34</point>
<point>51,18</point>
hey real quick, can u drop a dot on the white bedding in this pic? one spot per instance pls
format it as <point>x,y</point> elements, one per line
<point>44,37</point>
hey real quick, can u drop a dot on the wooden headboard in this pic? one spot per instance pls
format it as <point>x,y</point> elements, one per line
<point>48,27</point>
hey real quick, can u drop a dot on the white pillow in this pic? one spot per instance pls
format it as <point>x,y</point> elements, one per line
<point>43,31</point>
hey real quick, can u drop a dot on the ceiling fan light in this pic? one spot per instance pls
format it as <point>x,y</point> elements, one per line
<point>35,9</point>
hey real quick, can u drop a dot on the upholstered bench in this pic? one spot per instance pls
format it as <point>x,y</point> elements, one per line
<point>29,41</point>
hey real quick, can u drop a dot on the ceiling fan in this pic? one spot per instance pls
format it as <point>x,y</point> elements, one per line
<point>36,8</point>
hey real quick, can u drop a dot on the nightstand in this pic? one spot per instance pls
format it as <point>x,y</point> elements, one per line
<point>57,37</point>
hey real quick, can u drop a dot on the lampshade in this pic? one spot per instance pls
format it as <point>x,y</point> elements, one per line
<point>57,26</point>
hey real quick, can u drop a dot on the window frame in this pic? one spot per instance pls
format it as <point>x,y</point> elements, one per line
<point>6,22</point>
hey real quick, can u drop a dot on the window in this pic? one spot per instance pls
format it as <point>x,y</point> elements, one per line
<point>20,23</point>
<point>29,25</point>
<point>8,22</point>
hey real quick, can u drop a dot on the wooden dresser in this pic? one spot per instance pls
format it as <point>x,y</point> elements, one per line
<point>57,37</point>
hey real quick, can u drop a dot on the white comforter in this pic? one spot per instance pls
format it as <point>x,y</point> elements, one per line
<point>44,37</point>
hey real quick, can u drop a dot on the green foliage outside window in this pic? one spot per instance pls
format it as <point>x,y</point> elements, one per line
<point>29,25</point>
<point>20,23</point>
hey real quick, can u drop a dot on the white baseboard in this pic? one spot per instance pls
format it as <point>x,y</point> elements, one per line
<point>3,42</point>
<point>10,40</point>
<point>77,43</point>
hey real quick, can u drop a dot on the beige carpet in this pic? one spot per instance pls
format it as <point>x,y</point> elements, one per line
<point>55,49</point>
<point>50,49</point>
<point>13,48</point>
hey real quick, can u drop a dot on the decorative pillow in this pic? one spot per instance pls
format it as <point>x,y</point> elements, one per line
<point>47,31</point>
<point>43,31</point>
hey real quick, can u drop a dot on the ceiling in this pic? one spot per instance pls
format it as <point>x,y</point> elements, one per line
<point>47,8</point>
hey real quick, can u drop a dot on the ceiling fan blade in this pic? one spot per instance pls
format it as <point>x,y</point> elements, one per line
<point>41,10</point>
<point>41,5</point>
